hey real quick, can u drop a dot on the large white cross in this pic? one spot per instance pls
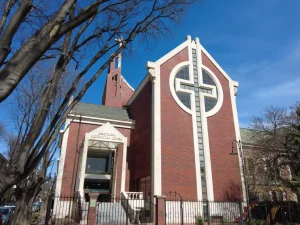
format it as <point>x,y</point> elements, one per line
<point>187,86</point>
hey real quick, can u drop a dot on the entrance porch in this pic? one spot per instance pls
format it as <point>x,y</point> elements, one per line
<point>102,163</point>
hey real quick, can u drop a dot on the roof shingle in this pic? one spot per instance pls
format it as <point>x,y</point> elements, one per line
<point>249,136</point>
<point>87,109</point>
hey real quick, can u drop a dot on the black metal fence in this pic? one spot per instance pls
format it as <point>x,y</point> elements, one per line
<point>132,209</point>
<point>179,211</point>
<point>202,212</point>
<point>66,210</point>
<point>122,210</point>
<point>285,212</point>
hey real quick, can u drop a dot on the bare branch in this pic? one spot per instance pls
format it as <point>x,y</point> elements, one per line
<point>7,9</point>
<point>11,29</point>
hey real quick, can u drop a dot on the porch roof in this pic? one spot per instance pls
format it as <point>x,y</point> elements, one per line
<point>100,111</point>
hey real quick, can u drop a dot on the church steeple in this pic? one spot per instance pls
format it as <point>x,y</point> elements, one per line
<point>117,91</point>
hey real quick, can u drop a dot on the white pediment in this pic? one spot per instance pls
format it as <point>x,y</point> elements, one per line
<point>106,133</point>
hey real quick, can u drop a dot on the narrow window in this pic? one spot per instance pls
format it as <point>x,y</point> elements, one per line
<point>114,79</point>
<point>116,62</point>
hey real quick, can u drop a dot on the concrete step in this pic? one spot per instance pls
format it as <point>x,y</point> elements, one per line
<point>110,213</point>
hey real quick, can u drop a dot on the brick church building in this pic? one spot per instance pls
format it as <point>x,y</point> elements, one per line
<point>173,133</point>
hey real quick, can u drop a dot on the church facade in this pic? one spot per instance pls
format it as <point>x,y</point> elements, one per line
<point>173,133</point>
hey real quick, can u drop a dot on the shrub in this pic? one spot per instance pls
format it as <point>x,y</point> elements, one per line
<point>199,220</point>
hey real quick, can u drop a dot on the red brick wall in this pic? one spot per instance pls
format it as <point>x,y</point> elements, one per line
<point>225,168</point>
<point>117,93</point>
<point>178,158</point>
<point>71,160</point>
<point>140,151</point>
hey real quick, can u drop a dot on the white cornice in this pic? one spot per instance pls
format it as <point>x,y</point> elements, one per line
<point>101,121</point>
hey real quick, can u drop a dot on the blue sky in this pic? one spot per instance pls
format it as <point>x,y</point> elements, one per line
<point>256,42</point>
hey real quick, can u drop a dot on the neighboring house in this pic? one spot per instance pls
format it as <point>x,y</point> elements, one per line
<point>173,133</point>
<point>262,177</point>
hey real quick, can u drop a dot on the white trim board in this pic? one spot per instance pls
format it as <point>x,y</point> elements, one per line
<point>62,157</point>
<point>101,121</point>
<point>138,90</point>
<point>217,65</point>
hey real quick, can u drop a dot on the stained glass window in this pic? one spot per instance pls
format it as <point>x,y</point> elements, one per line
<point>207,78</point>
<point>185,98</point>
<point>183,73</point>
<point>210,102</point>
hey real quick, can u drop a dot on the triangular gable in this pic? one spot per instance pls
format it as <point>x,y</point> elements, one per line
<point>106,133</point>
<point>214,62</point>
<point>187,43</point>
<point>175,51</point>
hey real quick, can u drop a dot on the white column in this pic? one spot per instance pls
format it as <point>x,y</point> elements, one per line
<point>83,165</point>
<point>61,162</point>
<point>156,129</point>
<point>123,178</point>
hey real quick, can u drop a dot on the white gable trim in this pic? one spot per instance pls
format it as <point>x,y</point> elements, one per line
<point>138,90</point>
<point>126,82</point>
<point>232,86</point>
<point>216,64</point>
<point>174,51</point>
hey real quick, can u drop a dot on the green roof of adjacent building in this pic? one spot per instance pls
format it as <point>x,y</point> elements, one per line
<point>87,109</point>
<point>249,136</point>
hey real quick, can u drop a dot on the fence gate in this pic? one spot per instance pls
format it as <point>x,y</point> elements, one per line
<point>173,208</point>
<point>69,210</point>
<point>131,210</point>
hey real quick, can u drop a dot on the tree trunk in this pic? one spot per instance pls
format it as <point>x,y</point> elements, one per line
<point>23,210</point>
<point>6,182</point>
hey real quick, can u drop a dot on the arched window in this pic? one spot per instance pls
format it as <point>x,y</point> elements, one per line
<point>184,97</point>
<point>207,86</point>
<point>183,73</point>
<point>210,102</point>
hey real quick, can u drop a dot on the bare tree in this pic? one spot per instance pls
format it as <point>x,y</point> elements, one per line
<point>67,17</point>
<point>275,156</point>
<point>28,190</point>
<point>85,36</point>
<point>22,109</point>
<point>261,173</point>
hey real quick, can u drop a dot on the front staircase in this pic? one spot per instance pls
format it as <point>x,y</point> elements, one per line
<point>125,210</point>
<point>111,213</point>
